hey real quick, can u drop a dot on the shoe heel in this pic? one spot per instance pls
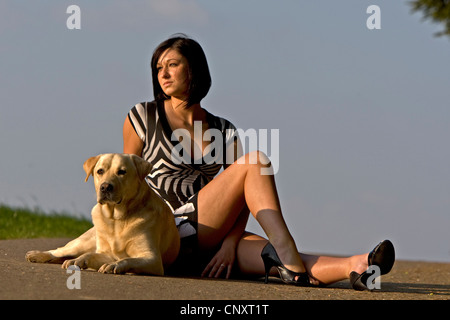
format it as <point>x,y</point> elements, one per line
<point>271,259</point>
<point>268,263</point>
<point>267,267</point>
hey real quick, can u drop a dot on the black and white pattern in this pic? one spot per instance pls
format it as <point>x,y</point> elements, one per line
<point>173,178</point>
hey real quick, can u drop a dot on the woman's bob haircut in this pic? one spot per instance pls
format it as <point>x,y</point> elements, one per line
<point>199,76</point>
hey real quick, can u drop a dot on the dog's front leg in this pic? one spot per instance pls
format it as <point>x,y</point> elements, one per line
<point>145,265</point>
<point>84,243</point>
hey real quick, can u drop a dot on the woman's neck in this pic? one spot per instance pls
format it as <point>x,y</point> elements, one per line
<point>182,112</point>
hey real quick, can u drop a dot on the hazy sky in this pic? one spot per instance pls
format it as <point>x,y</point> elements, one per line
<point>363,115</point>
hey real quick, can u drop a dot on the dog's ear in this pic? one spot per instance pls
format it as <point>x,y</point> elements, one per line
<point>143,167</point>
<point>89,165</point>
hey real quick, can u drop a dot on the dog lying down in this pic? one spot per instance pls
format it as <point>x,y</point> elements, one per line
<point>134,230</point>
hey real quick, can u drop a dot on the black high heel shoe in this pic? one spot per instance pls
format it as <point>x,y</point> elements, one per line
<point>383,256</point>
<point>271,259</point>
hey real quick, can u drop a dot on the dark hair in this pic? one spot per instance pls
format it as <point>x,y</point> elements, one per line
<point>198,71</point>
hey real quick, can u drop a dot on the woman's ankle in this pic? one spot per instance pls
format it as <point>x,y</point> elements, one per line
<point>358,263</point>
<point>288,254</point>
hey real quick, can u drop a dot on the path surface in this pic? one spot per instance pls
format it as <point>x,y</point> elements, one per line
<point>20,279</point>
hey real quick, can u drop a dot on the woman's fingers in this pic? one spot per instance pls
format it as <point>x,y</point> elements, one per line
<point>215,269</point>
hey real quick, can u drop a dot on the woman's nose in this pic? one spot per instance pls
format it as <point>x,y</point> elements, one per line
<point>165,73</point>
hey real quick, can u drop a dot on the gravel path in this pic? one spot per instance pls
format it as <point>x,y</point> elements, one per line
<point>20,279</point>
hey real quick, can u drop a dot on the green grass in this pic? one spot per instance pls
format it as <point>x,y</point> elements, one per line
<point>25,223</point>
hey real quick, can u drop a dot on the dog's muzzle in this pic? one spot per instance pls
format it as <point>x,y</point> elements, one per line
<point>106,187</point>
<point>106,194</point>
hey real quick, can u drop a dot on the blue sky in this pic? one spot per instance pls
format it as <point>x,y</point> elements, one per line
<point>363,115</point>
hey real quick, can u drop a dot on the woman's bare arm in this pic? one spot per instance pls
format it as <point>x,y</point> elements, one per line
<point>132,144</point>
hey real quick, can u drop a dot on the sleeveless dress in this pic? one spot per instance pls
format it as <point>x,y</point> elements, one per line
<point>177,176</point>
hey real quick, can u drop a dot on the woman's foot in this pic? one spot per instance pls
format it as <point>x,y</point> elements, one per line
<point>358,263</point>
<point>289,256</point>
<point>382,256</point>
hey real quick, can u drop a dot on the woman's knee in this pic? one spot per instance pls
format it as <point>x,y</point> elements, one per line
<point>259,159</point>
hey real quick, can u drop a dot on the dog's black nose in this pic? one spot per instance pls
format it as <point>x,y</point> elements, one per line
<point>106,187</point>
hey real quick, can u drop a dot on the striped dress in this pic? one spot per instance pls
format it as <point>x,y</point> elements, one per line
<point>175,176</point>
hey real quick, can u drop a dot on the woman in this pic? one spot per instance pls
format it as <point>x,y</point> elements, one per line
<point>211,211</point>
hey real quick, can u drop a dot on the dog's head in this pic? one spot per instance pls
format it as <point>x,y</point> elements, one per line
<point>117,177</point>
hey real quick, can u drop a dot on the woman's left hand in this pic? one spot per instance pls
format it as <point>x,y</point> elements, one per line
<point>222,261</point>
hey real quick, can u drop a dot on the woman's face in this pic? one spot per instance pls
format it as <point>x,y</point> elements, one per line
<point>173,74</point>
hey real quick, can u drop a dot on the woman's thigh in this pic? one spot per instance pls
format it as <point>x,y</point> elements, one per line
<point>219,204</point>
<point>221,201</point>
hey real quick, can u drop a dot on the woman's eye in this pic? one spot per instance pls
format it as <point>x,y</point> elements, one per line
<point>100,171</point>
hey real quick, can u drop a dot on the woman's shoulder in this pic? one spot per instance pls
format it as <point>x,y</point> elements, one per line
<point>147,106</point>
<point>143,111</point>
<point>142,117</point>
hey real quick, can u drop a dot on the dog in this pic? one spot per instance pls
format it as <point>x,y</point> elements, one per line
<point>134,230</point>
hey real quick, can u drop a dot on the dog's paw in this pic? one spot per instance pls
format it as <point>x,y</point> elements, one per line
<point>112,268</point>
<point>79,262</point>
<point>37,256</point>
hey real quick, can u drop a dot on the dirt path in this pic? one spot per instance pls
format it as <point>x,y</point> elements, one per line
<point>20,279</point>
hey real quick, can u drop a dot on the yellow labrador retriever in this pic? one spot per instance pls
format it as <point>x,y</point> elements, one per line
<point>134,230</point>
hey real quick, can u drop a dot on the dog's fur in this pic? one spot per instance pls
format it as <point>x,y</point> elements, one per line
<point>134,230</point>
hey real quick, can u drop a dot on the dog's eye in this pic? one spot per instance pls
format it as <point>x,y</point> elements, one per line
<point>121,172</point>
<point>100,171</point>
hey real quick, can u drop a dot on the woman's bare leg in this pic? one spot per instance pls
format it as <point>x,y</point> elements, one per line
<point>221,201</point>
<point>219,204</point>
<point>325,269</point>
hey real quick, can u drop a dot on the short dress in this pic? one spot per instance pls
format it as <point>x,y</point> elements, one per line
<point>177,177</point>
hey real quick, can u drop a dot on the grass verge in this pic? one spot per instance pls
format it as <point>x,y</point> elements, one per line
<point>18,223</point>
